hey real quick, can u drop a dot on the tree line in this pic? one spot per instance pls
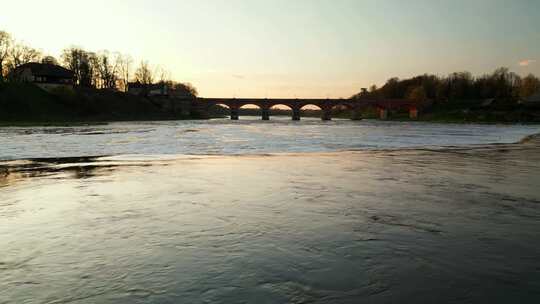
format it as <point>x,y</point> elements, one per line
<point>501,84</point>
<point>99,70</point>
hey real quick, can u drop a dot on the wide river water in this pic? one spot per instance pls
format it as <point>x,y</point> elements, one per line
<point>270,212</point>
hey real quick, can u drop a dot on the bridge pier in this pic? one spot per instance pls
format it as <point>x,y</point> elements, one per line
<point>234,113</point>
<point>296,114</point>
<point>265,113</point>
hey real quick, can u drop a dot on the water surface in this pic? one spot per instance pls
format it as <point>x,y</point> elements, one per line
<point>166,223</point>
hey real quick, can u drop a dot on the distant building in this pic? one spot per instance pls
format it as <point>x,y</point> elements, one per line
<point>157,89</point>
<point>46,76</point>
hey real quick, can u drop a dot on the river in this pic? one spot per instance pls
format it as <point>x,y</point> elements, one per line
<point>270,212</point>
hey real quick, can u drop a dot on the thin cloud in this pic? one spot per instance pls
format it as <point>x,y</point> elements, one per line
<point>526,62</point>
<point>239,76</point>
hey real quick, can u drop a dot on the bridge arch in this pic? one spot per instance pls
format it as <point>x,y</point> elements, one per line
<point>250,106</point>
<point>221,104</point>
<point>312,110</point>
<point>254,109</point>
<point>306,106</point>
<point>275,107</point>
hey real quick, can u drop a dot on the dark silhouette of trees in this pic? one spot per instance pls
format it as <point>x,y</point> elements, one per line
<point>529,85</point>
<point>392,88</point>
<point>456,86</point>
<point>81,63</point>
<point>501,84</point>
<point>101,70</point>
<point>144,74</point>
<point>417,95</point>
<point>183,90</point>
<point>20,54</point>
<point>107,69</point>
<point>14,54</point>
<point>124,70</point>
<point>163,74</point>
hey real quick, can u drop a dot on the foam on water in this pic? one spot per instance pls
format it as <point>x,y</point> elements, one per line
<point>224,137</point>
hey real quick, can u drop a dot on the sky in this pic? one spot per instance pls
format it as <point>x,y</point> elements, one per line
<point>290,48</point>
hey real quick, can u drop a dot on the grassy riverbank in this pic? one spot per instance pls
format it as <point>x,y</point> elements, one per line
<point>496,111</point>
<point>26,104</point>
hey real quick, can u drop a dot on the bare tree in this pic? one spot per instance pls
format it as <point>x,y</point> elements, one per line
<point>124,65</point>
<point>106,69</point>
<point>82,63</point>
<point>71,59</point>
<point>163,74</point>
<point>144,74</point>
<point>5,44</point>
<point>21,54</point>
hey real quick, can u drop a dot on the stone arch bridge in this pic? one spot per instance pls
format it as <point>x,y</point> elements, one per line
<point>326,106</point>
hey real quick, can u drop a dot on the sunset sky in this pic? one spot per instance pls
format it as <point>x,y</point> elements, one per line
<point>290,48</point>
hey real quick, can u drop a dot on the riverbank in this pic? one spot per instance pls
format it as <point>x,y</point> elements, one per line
<point>26,104</point>
<point>469,111</point>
